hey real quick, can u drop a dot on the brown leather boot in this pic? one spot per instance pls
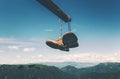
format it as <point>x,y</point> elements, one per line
<point>70,40</point>
<point>57,44</point>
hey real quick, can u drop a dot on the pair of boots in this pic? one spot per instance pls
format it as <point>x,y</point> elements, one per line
<point>69,40</point>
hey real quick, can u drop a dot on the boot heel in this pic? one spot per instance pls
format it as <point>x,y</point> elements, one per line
<point>70,40</point>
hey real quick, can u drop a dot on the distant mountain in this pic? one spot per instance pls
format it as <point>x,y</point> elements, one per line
<point>63,64</point>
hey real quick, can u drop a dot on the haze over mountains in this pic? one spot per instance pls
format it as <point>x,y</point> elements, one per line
<point>75,64</point>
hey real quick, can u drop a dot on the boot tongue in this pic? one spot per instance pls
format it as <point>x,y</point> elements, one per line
<point>59,41</point>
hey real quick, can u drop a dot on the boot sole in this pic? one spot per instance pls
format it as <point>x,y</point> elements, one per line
<point>56,46</point>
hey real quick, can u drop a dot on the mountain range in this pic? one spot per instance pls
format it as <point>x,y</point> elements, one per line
<point>39,71</point>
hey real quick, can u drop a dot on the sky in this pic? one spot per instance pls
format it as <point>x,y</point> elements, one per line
<point>25,25</point>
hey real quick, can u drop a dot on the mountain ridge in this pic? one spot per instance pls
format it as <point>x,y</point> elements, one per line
<point>63,64</point>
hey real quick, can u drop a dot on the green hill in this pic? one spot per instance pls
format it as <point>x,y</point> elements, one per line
<point>70,69</point>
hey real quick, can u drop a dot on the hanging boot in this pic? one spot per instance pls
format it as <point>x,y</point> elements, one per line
<point>57,44</point>
<point>70,40</point>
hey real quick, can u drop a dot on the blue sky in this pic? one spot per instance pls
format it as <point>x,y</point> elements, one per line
<point>25,25</point>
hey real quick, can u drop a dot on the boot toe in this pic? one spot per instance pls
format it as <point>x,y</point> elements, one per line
<point>56,45</point>
<point>52,44</point>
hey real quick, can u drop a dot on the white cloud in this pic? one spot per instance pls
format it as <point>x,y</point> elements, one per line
<point>40,56</point>
<point>74,57</point>
<point>29,49</point>
<point>1,51</point>
<point>82,57</point>
<point>4,39</point>
<point>18,56</point>
<point>13,47</point>
<point>10,44</point>
<point>30,59</point>
<point>90,57</point>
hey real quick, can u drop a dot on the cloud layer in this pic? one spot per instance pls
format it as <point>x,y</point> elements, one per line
<point>16,51</point>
